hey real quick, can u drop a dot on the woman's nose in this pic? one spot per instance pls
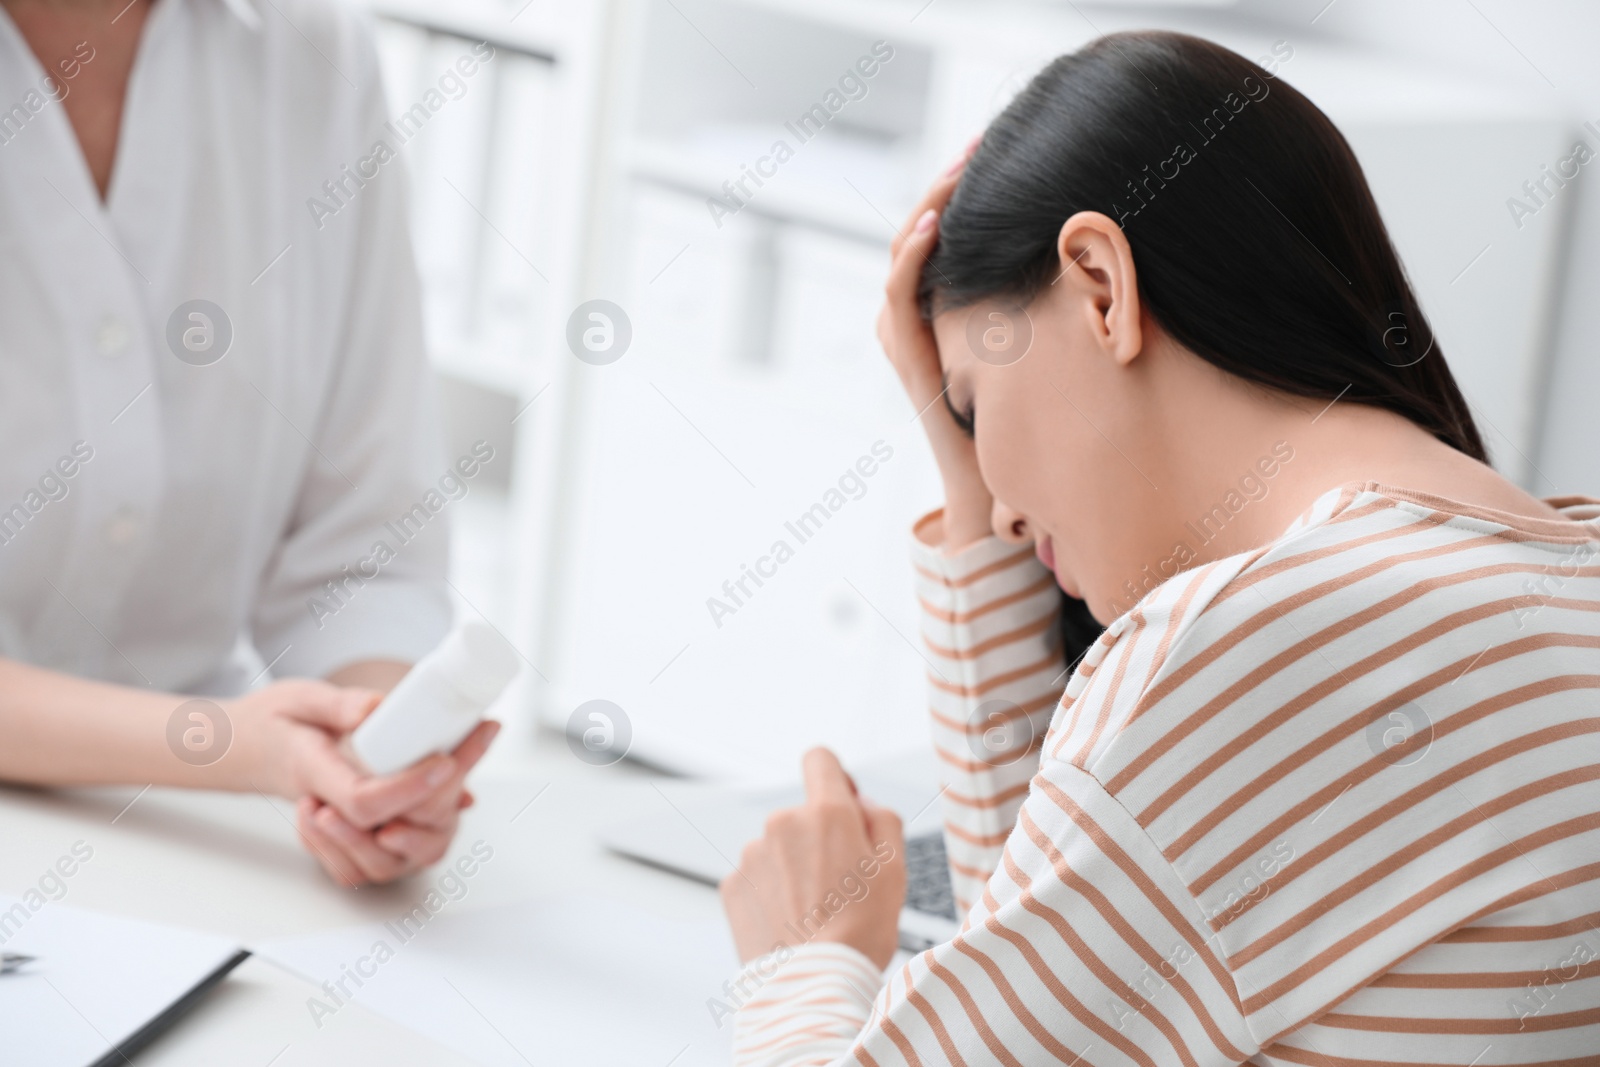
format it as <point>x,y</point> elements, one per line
<point>1009,525</point>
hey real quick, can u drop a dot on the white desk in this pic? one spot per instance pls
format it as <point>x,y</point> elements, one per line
<point>232,864</point>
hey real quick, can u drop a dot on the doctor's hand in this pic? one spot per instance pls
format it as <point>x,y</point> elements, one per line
<point>419,836</point>
<point>832,869</point>
<point>287,741</point>
<point>908,341</point>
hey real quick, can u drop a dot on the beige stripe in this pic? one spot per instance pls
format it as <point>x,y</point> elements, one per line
<point>1473,935</point>
<point>1270,614</point>
<point>1010,637</point>
<point>1141,878</point>
<point>1328,687</point>
<point>931,1017</point>
<point>996,1048</point>
<point>901,1042</point>
<point>1394,860</point>
<point>1400,805</point>
<point>1417,901</point>
<point>1562,530</point>
<point>1388,1024</point>
<point>1377,764</point>
<point>1317,1059</point>
<point>1019,711</point>
<point>1001,760</point>
<point>975,873</point>
<point>1136,623</point>
<point>994,605</point>
<point>1533,891</point>
<point>1051,662</point>
<point>981,573</point>
<point>1174,625</point>
<point>985,803</point>
<point>1029,1021</point>
<point>1312,556</point>
<point>1180,732</point>
<point>814,1030</point>
<point>1481,979</point>
<point>1108,977</point>
<point>1129,935</point>
<point>790,975</point>
<point>980,841</point>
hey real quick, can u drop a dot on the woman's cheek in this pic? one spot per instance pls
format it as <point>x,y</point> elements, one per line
<point>1013,463</point>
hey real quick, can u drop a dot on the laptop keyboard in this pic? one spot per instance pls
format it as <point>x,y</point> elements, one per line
<point>928,876</point>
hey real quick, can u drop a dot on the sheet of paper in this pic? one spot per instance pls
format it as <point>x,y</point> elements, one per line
<point>584,980</point>
<point>96,981</point>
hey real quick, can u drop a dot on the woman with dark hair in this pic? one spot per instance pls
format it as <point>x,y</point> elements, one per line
<point>1324,791</point>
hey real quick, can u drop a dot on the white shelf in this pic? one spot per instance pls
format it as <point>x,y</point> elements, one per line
<point>826,198</point>
<point>498,23</point>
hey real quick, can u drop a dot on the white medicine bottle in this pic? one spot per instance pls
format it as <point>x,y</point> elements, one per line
<point>438,702</point>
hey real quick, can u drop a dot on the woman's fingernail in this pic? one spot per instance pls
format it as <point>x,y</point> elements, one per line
<point>925,223</point>
<point>440,774</point>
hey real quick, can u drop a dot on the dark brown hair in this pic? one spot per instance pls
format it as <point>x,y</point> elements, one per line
<point>1258,245</point>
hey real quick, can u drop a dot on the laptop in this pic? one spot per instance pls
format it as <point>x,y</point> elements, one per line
<point>700,831</point>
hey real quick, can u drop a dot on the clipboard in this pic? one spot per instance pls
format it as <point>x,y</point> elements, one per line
<point>155,1027</point>
<point>101,987</point>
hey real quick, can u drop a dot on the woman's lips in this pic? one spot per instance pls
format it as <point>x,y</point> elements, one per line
<point>1045,549</point>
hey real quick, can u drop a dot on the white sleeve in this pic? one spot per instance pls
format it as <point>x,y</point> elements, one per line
<point>375,458</point>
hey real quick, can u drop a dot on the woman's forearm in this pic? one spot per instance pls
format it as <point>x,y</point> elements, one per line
<point>56,729</point>
<point>380,674</point>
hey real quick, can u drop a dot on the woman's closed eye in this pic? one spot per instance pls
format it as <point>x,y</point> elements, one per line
<point>965,415</point>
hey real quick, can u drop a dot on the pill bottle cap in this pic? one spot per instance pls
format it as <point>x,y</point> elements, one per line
<point>476,662</point>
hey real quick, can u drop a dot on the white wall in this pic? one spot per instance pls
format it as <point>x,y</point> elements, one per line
<point>1548,46</point>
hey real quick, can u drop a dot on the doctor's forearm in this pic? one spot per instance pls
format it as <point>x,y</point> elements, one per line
<point>56,729</point>
<point>380,674</point>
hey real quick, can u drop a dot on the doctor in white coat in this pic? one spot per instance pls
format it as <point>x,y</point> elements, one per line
<point>213,397</point>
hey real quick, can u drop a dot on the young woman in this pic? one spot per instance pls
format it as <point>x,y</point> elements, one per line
<point>1325,789</point>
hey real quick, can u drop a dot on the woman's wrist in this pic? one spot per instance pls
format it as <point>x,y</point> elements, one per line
<point>966,517</point>
<point>960,535</point>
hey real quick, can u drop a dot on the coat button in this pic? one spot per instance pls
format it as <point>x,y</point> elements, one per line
<point>112,336</point>
<point>124,526</point>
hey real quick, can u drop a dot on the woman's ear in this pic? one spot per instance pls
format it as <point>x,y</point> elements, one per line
<point>1097,268</point>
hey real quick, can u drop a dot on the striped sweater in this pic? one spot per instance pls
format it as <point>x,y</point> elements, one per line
<point>1332,801</point>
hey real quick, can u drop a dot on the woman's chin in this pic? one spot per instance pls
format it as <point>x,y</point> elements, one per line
<point>1068,586</point>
